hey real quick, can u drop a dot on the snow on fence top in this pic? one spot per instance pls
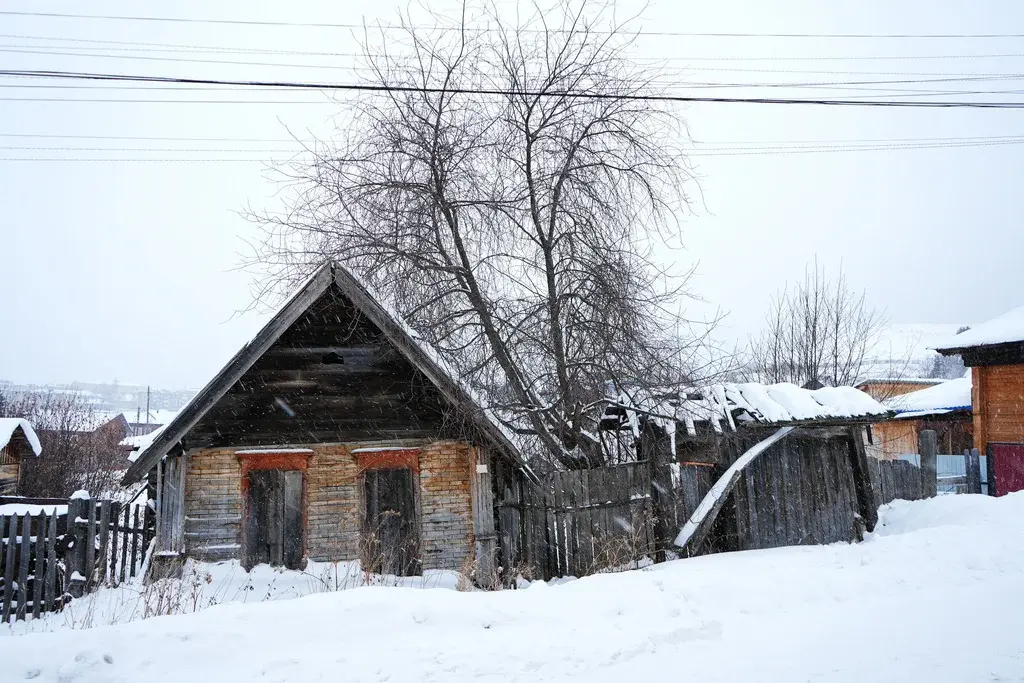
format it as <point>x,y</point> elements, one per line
<point>947,397</point>
<point>9,424</point>
<point>1006,329</point>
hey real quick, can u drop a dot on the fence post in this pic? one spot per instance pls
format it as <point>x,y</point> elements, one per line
<point>78,528</point>
<point>928,447</point>
<point>972,466</point>
<point>656,448</point>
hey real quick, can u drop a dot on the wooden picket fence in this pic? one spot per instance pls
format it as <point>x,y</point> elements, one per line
<point>33,576</point>
<point>53,556</point>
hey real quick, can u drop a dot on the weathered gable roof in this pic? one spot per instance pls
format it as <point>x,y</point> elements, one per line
<point>395,330</point>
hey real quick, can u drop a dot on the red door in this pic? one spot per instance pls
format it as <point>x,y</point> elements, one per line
<point>1006,467</point>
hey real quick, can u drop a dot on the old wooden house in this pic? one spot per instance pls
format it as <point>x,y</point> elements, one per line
<point>17,441</point>
<point>994,351</point>
<point>335,434</point>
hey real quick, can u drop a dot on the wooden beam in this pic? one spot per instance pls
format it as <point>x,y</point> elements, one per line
<point>867,504</point>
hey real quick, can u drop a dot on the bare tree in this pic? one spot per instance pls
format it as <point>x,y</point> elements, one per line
<point>504,192</point>
<point>77,452</point>
<point>817,331</point>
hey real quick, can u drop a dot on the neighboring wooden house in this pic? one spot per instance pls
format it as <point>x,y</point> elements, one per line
<point>995,353</point>
<point>944,408</point>
<point>335,434</point>
<point>142,422</point>
<point>17,441</point>
<point>809,487</point>
<point>882,389</point>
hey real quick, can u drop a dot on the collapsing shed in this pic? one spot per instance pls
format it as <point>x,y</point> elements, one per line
<point>335,434</point>
<point>811,485</point>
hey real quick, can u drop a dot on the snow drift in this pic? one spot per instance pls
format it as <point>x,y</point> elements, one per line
<point>932,595</point>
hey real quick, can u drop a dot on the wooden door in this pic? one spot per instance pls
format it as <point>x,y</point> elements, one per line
<point>274,518</point>
<point>391,532</point>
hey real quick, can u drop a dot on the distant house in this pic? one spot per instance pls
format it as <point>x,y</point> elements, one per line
<point>142,422</point>
<point>995,353</point>
<point>944,407</point>
<point>335,434</point>
<point>882,389</point>
<point>17,441</point>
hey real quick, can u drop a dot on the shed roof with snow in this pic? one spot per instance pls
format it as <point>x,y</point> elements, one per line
<point>734,405</point>
<point>331,277</point>
<point>951,396</point>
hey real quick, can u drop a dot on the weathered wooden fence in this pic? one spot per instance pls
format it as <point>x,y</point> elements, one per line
<point>577,522</point>
<point>51,553</point>
<point>32,573</point>
<point>800,491</point>
<point>895,480</point>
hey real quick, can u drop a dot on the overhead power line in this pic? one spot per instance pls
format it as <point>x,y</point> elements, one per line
<point>697,154</point>
<point>245,22</point>
<point>384,88</point>
<point>94,44</point>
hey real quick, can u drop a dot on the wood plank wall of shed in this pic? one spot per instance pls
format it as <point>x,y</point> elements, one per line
<point>214,505</point>
<point>798,492</point>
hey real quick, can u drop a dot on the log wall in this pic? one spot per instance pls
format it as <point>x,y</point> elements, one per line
<point>214,503</point>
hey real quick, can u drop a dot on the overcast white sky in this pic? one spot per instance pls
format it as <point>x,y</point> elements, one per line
<point>116,269</point>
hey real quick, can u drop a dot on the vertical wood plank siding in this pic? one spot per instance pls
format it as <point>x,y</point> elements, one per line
<point>214,504</point>
<point>998,404</point>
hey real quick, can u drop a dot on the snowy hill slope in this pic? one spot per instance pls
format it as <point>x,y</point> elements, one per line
<point>905,350</point>
<point>934,595</point>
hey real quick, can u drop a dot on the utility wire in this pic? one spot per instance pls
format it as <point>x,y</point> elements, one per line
<point>95,44</point>
<point>242,22</point>
<point>384,88</point>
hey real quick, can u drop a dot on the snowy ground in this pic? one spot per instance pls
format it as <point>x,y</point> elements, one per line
<point>936,594</point>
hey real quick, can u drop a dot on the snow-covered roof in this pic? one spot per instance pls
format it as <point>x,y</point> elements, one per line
<point>1006,329</point>
<point>9,424</point>
<point>733,404</point>
<point>950,396</point>
<point>140,443</point>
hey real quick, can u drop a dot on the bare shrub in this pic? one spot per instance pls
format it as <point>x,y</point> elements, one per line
<point>77,452</point>
<point>817,331</point>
